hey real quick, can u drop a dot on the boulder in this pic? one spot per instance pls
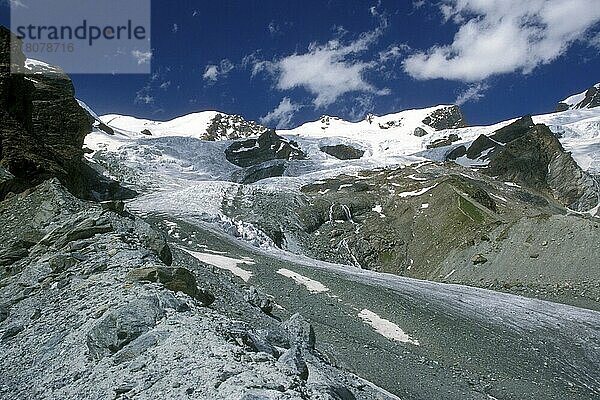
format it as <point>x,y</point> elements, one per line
<point>120,327</point>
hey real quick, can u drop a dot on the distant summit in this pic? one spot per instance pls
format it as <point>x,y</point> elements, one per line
<point>588,99</point>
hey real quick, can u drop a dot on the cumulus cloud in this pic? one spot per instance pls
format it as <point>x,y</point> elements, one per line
<point>473,93</point>
<point>327,71</point>
<point>497,37</point>
<point>282,115</point>
<point>214,72</point>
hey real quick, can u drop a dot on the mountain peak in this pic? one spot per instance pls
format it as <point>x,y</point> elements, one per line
<point>588,99</point>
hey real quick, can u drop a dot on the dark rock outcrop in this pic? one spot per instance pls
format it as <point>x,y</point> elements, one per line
<point>268,146</point>
<point>43,128</point>
<point>514,130</point>
<point>446,118</point>
<point>343,152</point>
<point>538,160</point>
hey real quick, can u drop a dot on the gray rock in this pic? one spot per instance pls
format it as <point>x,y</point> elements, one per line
<point>12,331</point>
<point>119,327</point>
<point>294,360</point>
<point>478,259</point>
<point>259,299</point>
<point>4,312</point>
<point>300,332</point>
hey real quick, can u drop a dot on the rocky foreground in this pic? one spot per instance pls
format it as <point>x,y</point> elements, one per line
<point>94,305</point>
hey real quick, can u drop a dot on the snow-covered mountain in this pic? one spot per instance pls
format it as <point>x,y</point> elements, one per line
<point>588,99</point>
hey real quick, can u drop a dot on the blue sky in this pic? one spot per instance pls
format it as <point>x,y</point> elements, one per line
<point>285,63</point>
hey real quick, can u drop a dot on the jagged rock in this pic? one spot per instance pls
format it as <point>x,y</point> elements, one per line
<point>262,171</point>
<point>138,346</point>
<point>120,327</point>
<point>175,279</point>
<point>43,125</point>
<point>146,132</point>
<point>300,332</point>
<point>269,146</point>
<point>420,132</point>
<point>447,141</point>
<point>258,299</point>
<point>343,152</point>
<point>514,130</point>
<point>293,359</point>
<point>446,118</point>
<point>154,240</point>
<point>14,252</point>
<point>224,127</point>
<point>479,145</point>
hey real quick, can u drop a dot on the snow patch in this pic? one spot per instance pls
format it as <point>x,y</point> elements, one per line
<point>386,328</point>
<point>226,263</point>
<point>416,192</point>
<point>312,285</point>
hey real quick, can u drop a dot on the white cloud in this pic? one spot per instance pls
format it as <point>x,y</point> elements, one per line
<point>282,115</point>
<point>142,57</point>
<point>497,37</point>
<point>472,94</point>
<point>326,71</point>
<point>214,72</point>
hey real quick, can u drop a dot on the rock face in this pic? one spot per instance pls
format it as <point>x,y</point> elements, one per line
<point>91,311</point>
<point>588,99</point>
<point>43,126</point>
<point>343,152</point>
<point>446,118</point>
<point>538,160</point>
<point>267,147</point>
<point>42,130</point>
